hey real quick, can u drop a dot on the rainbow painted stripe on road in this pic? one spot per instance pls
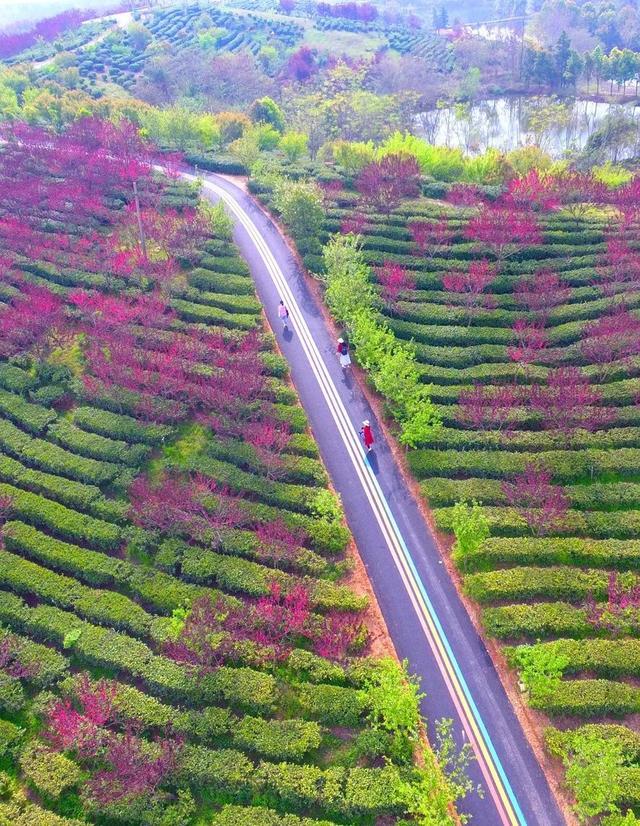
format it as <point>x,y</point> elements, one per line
<point>495,778</point>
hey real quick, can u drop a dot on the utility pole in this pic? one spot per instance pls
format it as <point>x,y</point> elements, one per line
<point>143,240</point>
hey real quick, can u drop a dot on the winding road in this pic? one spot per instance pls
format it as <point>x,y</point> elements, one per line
<point>425,616</point>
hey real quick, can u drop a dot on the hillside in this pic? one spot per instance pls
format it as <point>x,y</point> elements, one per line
<point>176,646</point>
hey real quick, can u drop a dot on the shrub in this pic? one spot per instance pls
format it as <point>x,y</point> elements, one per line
<point>251,815</point>
<point>278,739</point>
<point>10,737</point>
<point>333,705</point>
<point>51,773</point>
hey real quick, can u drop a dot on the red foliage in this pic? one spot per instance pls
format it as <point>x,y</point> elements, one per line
<point>431,237</point>
<point>337,636</point>
<point>503,231</point>
<point>470,285</point>
<point>621,609</point>
<point>279,543</point>
<point>10,659</point>
<point>489,408</point>
<point>627,198</point>
<point>132,771</point>
<point>465,195</point>
<point>179,506</point>
<point>541,293</point>
<point>611,339</point>
<point>531,342</point>
<point>355,224</point>
<point>568,403</point>
<point>48,30</point>
<point>34,322</point>
<point>79,727</point>
<point>579,191</point>
<point>383,184</point>
<point>541,504</point>
<point>619,268</point>
<point>533,191</point>
<point>394,280</point>
<point>302,65</point>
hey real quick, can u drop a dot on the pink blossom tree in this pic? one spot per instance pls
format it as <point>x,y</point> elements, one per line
<point>531,341</point>
<point>541,293</point>
<point>611,340</point>
<point>383,184</point>
<point>396,281</point>
<point>490,408</point>
<point>469,286</point>
<point>432,238</point>
<point>503,232</point>
<point>541,504</point>
<point>568,403</point>
<point>535,190</point>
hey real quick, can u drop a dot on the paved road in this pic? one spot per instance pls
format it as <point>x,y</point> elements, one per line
<point>427,621</point>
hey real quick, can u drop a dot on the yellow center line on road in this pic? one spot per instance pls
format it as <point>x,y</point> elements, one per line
<point>489,762</point>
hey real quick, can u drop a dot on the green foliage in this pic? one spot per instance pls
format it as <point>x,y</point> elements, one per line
<point>470,527</point>
<point>10,737</point>
<point>592,773</point>
<point>392,366</point>
<point>541,668</point>
<point>266,110</point>
<point>301,205</point>
<point>294,145</point>
<point>50,772</point>
<point>394,698</point>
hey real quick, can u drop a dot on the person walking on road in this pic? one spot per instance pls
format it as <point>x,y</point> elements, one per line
<point>343,352</point>
<point>283,314</point>
<point>367,435</point>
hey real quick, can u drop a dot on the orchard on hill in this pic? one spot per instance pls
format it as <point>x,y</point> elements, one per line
<point>516,313</point>
<point>175,642</point>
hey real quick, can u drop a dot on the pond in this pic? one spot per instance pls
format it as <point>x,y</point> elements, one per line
<point>556,125</point>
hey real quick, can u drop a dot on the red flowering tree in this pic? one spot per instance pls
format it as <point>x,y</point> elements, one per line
<point>395,282</point>
<point>185,506</point>
<point>465,195</point>
<point>619,614</point>
<point>469,286</point>
<point>535,190</point>
<point>541,293</point>
<point>539,502</point>
<point>432,238</point>
<point>619,267</point>
<point>531,341</point>
<point>503,232</point>
<point>383,184</point>
<point>355,224</point>
<point>489,408</point>
<point>611,340</point>
<point>568,403</point>
<point>579,192</point>
<point>278,543</point>
<point>33,323</point>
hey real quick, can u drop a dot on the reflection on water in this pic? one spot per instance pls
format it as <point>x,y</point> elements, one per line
<point>507,123</point>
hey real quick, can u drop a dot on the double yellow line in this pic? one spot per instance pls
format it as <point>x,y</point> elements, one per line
<point>497,783</point>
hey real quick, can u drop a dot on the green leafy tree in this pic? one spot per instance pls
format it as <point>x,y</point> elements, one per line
<point>441,781</point>
<point>394,698</point>
<point>266,110</point>
<point>593,774</point>
<point>541,668</point>
<point>347,280</point>
<point>294,145</point>
<point>301,205</point>
<point>470,527</point>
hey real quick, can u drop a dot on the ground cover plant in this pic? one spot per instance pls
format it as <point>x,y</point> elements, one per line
<point>176,644</point>
<point>515,318</point>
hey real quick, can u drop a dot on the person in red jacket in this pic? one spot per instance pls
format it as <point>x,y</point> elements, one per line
<point>367,434</point>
